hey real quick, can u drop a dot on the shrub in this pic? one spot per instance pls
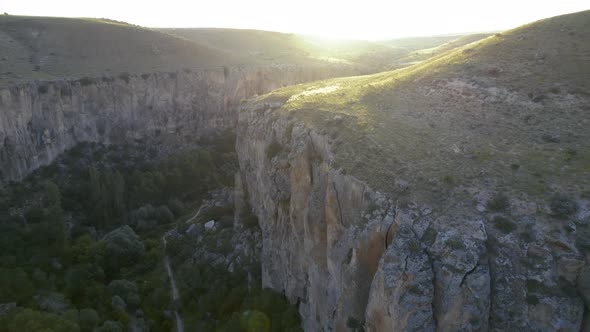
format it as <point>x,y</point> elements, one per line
<point>120,248</point>
<point>498,203</point>
<point>354,324</point>
<point>273,149</point>
<point>88,319</point>
<point>42,89</point>
<point>563,206</point>
<point>125,77</point>
<point>503,224</point>
<point>85,81</point>
<point>569,154</point>
<point>455,243</point>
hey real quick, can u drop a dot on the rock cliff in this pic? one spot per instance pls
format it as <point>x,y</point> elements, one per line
<point>39,120</point>
<point>349,255</point>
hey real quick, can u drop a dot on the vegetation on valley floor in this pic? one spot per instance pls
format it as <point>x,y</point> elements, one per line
<point>81,251</point>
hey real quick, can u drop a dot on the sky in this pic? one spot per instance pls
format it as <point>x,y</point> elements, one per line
<point>343,19</point>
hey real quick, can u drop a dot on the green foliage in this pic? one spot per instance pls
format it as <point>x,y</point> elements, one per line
<point>455,243</point>
<point>110,326</point>
<point>503,224</point>
<point>354,324</point>
<point>101,190</point>
<point>563,206</point>
<point>15,286</point>
<point>85,81</point>
<point>42,89</point>
<point>569,154</point>
<point>254,321</point>
<point>125,290</point>
<point>125,77</point>
<point>273,149</point>
<point>119,248</point>
<point>498,203</point>
<point>107,192</point>
<point>88,319</point>
<point>36,321</point>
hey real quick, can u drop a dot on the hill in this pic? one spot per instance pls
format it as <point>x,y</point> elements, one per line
<point>41,48</point>
<point>275,47</point>
<point>511,107</point>
<point>46,48</point>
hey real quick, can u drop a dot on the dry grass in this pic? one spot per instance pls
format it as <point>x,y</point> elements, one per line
<point>479,115</point>
<point>45,48</point>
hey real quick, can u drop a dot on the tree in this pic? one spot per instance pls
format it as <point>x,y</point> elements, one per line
<point>35,321</point>
<point>110,326</point>
<point>88,319</point>
<point>119,248</point>
<point>15,286</point>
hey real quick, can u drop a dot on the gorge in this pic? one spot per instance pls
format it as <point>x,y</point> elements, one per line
<point>451,195</point>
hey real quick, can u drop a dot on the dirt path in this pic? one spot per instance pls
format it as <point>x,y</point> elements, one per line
<point>196,214</point>
<point>175,297</point>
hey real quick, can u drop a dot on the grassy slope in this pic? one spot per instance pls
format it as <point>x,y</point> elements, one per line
<point>48,48</point>
<point>276,47</point>
<point>509,112</point>
<point>426,53</point>
<point>44,48</point>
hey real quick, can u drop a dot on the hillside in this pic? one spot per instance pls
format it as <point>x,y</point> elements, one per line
<point>47,48</point>
<point>465,113</point>
<point>275,47</point>
<point>41,48</point>
<point>424,53</point>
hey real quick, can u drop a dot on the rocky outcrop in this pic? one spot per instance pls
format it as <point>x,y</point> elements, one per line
<point>39,120</point>
<point>349,255</point>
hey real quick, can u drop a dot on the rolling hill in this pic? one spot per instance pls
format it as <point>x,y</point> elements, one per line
<point>518,98</point>
<point>48,48</point>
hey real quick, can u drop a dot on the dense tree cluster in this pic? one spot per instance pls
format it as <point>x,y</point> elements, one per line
<point>80,245</point>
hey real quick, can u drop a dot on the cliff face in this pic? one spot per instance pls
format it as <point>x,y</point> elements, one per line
<point>39,120</point>
<point>348,254</point>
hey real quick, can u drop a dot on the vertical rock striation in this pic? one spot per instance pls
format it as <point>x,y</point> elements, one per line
<point>39,120</point>
<point>348,254</point>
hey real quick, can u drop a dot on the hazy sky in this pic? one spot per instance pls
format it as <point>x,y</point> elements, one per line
<point>362,19</point>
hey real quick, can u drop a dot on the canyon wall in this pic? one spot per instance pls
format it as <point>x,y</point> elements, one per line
<point>39,120</point>
<point>349,255</point>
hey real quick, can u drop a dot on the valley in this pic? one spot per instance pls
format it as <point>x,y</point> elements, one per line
<point>245,180</point>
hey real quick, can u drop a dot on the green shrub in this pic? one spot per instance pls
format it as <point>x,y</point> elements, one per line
<point>503,224</point>
<point>273,149</point>
<point>498,203</point>
<point>85,81</point>
<point>455,243</point>
<point>569,154</point>
<point>562,206</point>
<point>125,77</point>
<point>42,89</point>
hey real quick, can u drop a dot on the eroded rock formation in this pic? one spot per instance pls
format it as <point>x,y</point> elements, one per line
<point>39,120</point>
<point>347,253</point>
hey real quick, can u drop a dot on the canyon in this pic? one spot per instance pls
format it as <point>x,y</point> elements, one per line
<point>359,240</point>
